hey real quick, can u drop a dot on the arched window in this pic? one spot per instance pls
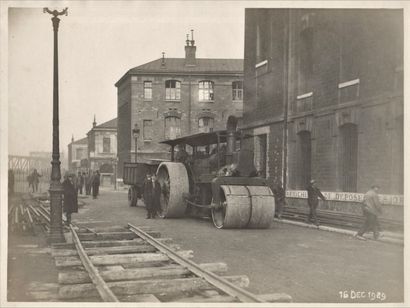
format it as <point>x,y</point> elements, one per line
<point>147,89</point>
<point>348,157</point>
<point>304,159</point>
<point>237,90</point>
<point>172,90</point>
<point>206,90</point>
<point>172,127</point>
<point>206,124</point>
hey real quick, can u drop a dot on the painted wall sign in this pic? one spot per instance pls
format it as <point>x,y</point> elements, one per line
<point>347,197</point>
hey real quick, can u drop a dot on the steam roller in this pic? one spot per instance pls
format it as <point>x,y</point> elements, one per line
<point>209,176</point>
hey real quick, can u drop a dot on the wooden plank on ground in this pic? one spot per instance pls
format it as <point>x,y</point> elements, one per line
<point>120,259</point>
<point>148,286</point>
<point>75,277</point>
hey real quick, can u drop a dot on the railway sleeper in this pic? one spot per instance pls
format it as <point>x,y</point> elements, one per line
<point>108,243</point>
<point>75,277</point>
<point>161,286</point>
<point>117,259</point>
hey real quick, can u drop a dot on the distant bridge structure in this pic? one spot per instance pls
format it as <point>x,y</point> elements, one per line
<point>27,163</point>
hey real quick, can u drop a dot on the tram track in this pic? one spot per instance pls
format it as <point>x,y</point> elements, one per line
<point>119,264</point>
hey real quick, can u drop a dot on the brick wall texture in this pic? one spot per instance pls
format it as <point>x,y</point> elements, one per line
<point>363,47</point>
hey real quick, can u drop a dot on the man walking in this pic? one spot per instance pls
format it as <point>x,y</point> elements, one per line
<point>314,194</point>
<point>372,209</point>
<point>80,183</point>
<point>35,177</point>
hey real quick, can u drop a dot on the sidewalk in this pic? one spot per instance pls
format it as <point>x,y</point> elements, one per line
<point>388,237</point>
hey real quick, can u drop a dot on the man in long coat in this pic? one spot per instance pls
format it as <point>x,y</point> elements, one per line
<point>156,196</point>
<point>372,209</point>
<point>96,184</point>
<point>70,204</point>
<point>314,194</point>
<point>147,194</point>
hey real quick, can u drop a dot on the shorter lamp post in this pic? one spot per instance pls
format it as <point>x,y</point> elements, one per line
<point>136,134</point>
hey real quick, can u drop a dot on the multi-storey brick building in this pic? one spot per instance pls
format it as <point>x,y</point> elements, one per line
<point>172,97</point>
<point>323,95</point>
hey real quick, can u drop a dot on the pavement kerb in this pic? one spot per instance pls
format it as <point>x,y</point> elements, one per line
<point>385,238</point>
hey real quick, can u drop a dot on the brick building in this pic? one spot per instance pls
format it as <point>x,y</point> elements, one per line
<point>323,95</point>
<point>77,152</point>
<point>172,97</point>
<point>102,150</point>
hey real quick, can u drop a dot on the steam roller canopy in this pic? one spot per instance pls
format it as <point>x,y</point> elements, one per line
<point>244,207</point>
<point>174,182</point>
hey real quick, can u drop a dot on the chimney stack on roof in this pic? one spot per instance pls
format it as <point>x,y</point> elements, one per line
<point>163,59</point>
<point>190,50</point>
<point>94,123</point>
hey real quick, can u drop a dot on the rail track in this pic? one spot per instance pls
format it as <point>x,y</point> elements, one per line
<point>135,264</point>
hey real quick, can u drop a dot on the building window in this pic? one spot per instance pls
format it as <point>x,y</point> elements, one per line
<point>147,89</point>
<point>79,154</point>
<point>305,61</point>
<point>259,155</point>
<point>206,91</point>
<point>206,124</point>
<point>172,90</point>
<point>237,90</point>
<point>106,145</point>
<point>172,127</point>
<point>147,130</point>
<point>348,157</point>
<point>304,159</point>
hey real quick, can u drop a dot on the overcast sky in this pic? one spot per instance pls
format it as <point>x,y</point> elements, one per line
<point>97,45</point>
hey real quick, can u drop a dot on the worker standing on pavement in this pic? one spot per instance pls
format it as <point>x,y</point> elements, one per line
<point>70,204</point>
<point>96,184</point>
<point>372,209</point>
<point>314,194</point>
<point>156,196</point>
<point>279,194</point>
<point>147,195</point>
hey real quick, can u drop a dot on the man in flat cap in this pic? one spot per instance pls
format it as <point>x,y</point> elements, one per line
<point>314,194</point>
<point>372,209</point>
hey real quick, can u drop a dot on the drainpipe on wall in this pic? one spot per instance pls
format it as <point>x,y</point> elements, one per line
<point>286,96</point>
<point>189,106</point>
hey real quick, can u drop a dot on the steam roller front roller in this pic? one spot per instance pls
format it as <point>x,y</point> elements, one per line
<point>173,178</point>
<point>244,207</point>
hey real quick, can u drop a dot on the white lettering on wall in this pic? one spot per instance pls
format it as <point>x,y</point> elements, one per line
<point>347,197</point>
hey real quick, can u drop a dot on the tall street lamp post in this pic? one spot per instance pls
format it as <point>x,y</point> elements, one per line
<point>136,134</point>
<point>56,189</point>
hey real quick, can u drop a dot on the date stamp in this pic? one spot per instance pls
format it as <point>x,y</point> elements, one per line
<point>362,295</point>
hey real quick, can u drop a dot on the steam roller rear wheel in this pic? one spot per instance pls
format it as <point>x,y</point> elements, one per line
<point>244,207</point>
<point>173,178</point>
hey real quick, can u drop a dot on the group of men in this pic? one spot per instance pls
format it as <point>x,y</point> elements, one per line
<point>371,207</point>
<point>33,180</point>
<point>73,185</point>
<point>90,181</point>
